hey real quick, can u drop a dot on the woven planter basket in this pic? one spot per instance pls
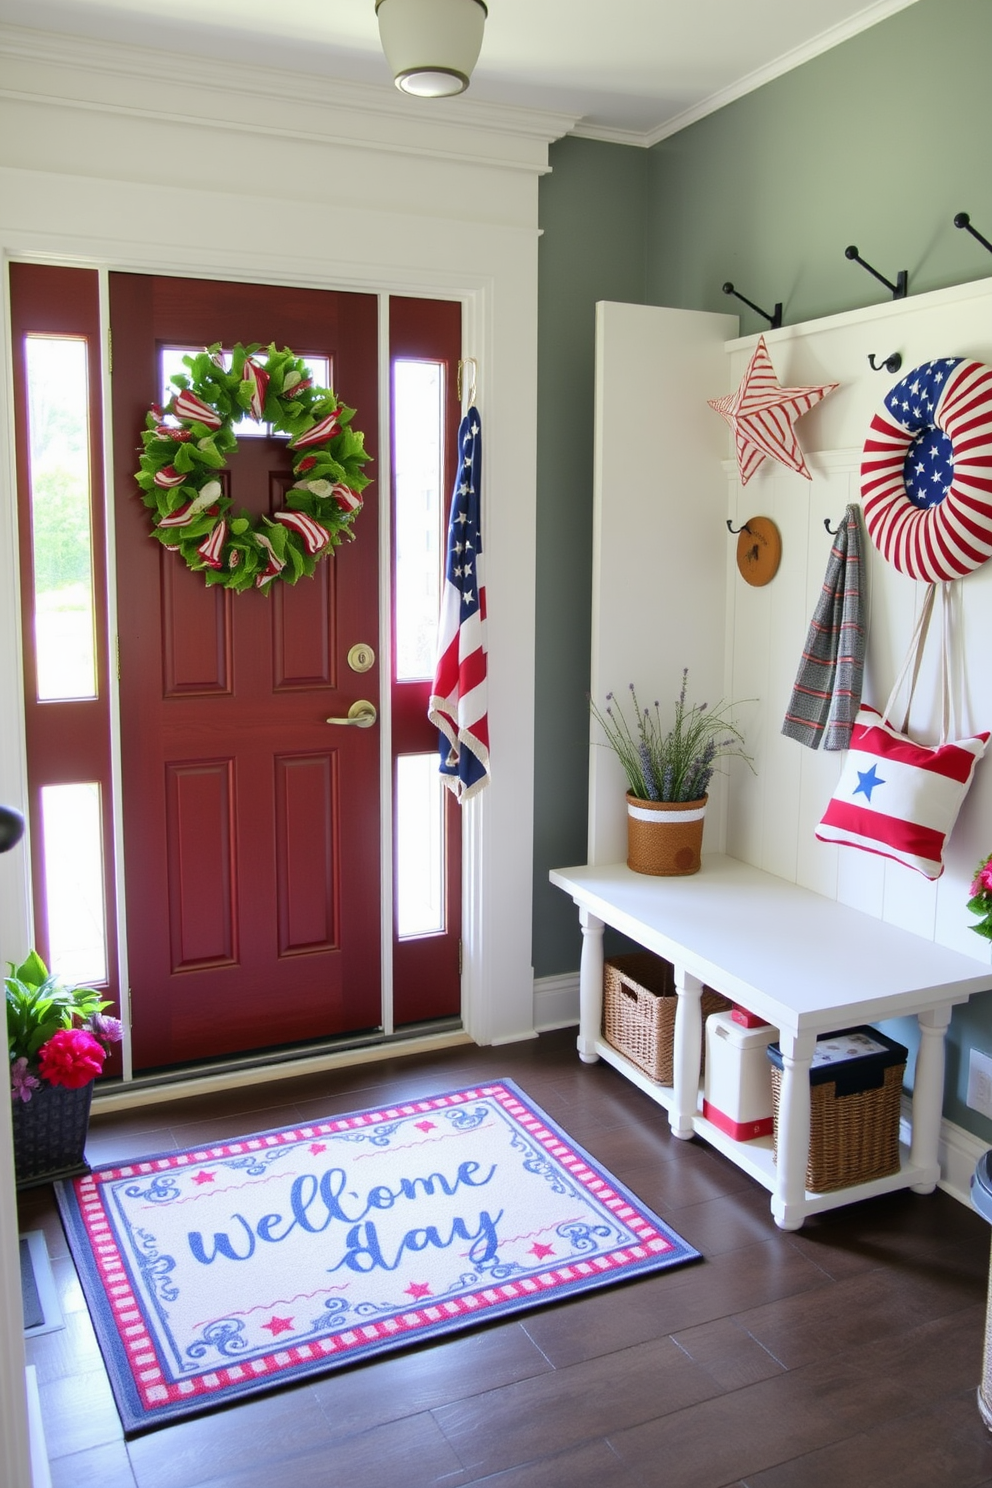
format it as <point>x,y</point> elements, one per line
<point>50,1134</point>
<point>665,838</point>
<point>639,1002</point>
<point>852,1138</point>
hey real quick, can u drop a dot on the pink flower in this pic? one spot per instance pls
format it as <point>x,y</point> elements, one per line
<point>108,1030</point>
<point>72,1057</point>
<point>21,1083</point>
<point>982,882</point>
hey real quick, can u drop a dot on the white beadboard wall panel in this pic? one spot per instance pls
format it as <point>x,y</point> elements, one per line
<point>659,539</point>
<point>772,816</point>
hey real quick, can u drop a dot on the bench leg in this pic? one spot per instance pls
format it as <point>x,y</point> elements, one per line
<point>688,1033</point>
<point>928,1097</point>
<point>590,986</point>
<point>788,1199</point>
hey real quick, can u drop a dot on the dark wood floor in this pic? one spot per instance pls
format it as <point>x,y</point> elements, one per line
<point>846,1354</point>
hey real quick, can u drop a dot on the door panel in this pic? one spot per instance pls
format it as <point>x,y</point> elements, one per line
<point>251,828</point>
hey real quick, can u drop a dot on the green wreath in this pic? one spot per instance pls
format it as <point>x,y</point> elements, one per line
<point>187,444</point>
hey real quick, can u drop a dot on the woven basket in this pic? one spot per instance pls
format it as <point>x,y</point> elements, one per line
<point>50,1134</point>
<point>665,838</point>
<point>639,1002</point>
<point>852,1138</point>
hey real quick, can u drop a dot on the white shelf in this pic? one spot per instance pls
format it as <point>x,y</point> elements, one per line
<point>756,1157</point>
<point>663,1094</point>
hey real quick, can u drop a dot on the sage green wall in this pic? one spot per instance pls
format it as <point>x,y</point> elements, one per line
<point>878,142</point>
<point>593,245</point>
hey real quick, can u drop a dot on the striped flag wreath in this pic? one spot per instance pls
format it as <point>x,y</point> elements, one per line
<point>458,706</point>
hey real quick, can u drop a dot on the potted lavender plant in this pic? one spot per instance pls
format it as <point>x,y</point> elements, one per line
<point>668,773</point>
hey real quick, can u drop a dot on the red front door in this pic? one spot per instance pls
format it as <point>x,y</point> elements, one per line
<point>251,826</point>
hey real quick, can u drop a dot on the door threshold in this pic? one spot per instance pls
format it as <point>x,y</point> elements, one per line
<point>231,1074</point>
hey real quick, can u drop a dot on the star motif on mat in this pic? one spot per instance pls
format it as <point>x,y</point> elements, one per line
<point>425,1126</point>
<point>202,1178</point>
<point>540,1251</point>
<point>417,1289</point>
<point>316,1148</point>
<point>761,415</point>
<point>277,1325</point>
<point>867,781</point>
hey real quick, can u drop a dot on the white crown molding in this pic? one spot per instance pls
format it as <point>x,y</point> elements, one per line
<point>607,135</point>
<point>449,129</point>
<point>787,62</point>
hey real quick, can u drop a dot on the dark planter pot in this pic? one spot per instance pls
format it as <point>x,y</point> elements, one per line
<point>50,1134</point>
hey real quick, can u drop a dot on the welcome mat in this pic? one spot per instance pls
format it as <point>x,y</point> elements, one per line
<point>217,1273</point>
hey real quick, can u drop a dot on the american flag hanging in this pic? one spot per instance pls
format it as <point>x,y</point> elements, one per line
<point>459,706</point>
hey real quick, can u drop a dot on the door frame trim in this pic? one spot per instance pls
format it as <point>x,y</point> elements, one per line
<point>16,914</point>
<point>384,644</point>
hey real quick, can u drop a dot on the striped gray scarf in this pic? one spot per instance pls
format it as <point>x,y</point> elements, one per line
<point>827,691</point>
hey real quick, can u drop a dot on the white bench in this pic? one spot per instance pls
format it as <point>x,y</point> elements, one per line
<point>807,965</point>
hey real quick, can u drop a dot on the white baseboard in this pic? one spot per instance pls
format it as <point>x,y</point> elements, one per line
<point>959,1153</point>
<point>556,1002</point>
<point>41,1477</point>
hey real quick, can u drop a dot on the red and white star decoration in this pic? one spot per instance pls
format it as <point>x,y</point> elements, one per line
<point>761,415</point>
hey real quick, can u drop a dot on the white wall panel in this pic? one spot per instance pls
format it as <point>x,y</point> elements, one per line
<point>659,540</point>
<point>646,425</point>
<point>793,784</point>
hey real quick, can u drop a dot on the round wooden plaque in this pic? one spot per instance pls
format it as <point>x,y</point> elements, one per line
<point>759,550</point>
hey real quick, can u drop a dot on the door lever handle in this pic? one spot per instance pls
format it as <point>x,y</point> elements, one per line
<point>360,715</point>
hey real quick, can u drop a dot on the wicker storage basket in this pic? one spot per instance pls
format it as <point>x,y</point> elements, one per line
<point>639,1001</point>
<point>854,1133</point>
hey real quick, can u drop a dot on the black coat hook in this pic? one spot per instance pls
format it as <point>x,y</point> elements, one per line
<point>735,530</point>
<point>891,363</point>
<point>963,220</point>
<point>774,321</point>
<point>901,287</point>
<point>832,530</point>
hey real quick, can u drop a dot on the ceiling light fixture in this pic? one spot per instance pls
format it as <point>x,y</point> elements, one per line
<point>431,45</point>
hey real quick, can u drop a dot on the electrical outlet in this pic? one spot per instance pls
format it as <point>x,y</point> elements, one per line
<point>980,1083</point>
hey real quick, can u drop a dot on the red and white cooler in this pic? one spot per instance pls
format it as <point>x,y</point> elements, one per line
<point>737,1088</point>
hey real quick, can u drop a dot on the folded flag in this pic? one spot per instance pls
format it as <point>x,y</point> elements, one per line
<point>458,706</point>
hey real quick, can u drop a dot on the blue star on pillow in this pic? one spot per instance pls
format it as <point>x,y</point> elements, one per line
<point>867,781</point>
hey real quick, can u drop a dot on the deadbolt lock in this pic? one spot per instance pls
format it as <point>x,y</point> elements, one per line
<point>361,658</point>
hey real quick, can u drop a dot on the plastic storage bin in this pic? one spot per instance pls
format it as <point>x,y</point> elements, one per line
<point>855,1092</point>
<point>737,1090</point>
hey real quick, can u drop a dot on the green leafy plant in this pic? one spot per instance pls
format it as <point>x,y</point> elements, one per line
<point>673,764</point>
<point>56,1034</point>
<point>980,902</point>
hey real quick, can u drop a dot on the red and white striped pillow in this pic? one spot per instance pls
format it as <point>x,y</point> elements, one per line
<point>898,798</point>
